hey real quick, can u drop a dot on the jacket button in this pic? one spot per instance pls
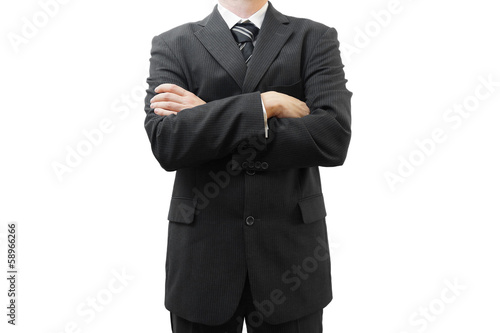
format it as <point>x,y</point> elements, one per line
<point>265,165</point>
<point>250,172</point>
<point>250,221</point>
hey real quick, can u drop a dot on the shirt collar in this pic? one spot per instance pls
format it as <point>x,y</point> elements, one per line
<point>231,19</point>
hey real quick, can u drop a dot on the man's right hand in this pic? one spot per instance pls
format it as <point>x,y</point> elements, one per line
<point>283,106</point>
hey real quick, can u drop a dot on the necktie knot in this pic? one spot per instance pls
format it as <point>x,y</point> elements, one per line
<point>245,33</point>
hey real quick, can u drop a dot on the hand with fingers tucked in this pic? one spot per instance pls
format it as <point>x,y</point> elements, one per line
<point>171,99</point>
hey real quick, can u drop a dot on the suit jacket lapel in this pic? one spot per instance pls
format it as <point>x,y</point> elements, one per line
<point>218,40</point>
<point>273,35</point>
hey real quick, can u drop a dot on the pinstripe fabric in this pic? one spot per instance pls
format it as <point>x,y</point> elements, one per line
<point>247,310</point>
<point>227,172</point>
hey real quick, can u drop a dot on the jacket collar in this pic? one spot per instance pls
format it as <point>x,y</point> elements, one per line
<point>218,40</point>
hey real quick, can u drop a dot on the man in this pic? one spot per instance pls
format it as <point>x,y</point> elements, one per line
<point>245,105</point>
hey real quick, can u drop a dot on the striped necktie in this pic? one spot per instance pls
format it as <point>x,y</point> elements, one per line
<point>245,33</point>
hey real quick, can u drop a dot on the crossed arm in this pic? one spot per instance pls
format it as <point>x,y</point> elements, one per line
<point>171,99</point>
<point>184,131</point>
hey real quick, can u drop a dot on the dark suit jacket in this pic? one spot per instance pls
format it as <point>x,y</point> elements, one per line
<point>243,204</point>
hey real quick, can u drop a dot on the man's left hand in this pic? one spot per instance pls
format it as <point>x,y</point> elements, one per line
<point>171,99</point>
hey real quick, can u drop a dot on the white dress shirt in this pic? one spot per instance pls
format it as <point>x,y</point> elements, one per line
<point>231,19</point>
<point>257,19</point>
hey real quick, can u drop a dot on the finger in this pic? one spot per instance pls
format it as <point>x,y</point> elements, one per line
<point>171,88</point>
<point>166,97</point>
<point>163,112</point>
<point>305,109</point>
<point>171,106</point>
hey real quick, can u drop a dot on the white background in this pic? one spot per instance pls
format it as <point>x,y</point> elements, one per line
<point>395,248</point>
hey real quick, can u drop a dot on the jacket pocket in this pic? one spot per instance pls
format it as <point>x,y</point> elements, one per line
<point>312,208</point>
<point>182,210</point>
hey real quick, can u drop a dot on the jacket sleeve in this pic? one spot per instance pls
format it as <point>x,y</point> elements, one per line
<point>320,138</point>
<point>201,134</point>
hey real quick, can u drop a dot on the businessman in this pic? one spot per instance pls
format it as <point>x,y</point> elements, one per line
<point>245,105</point>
